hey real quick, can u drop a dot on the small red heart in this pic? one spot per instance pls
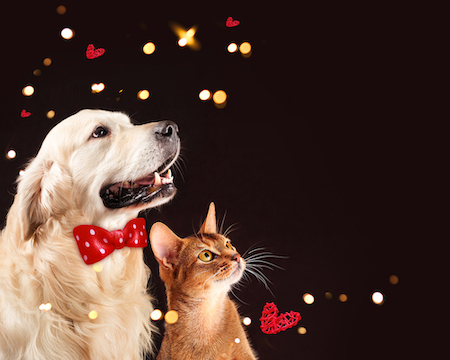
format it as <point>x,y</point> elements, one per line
<point>271,323</point>
<point>231,23</point>
<point>92,52</point>
<point>25,113</point>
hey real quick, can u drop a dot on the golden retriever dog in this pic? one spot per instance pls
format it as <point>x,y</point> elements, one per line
<point>93,168</point>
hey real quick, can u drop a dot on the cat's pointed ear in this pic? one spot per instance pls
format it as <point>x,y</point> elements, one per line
<point>165,244</point>
<point>210,225</point>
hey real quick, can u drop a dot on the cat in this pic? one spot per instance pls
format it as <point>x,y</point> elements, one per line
<point>198,272</point>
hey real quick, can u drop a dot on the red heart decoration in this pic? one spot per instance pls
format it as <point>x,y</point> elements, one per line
<point>231,23</point>
<point>271,323</point>
<point>25,113</point>
<point>92,52</point>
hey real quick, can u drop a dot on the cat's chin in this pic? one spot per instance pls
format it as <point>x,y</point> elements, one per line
<point>234,277</point>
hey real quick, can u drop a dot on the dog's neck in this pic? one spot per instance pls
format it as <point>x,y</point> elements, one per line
<point>117,222</point>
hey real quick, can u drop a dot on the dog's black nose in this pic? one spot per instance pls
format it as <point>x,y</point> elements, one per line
<point>166,129</point>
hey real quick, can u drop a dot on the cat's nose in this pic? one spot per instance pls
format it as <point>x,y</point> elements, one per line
<point>236,257</point>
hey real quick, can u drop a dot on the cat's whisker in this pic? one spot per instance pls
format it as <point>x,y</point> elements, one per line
<point>229,229</point>
<point>213,275</point>
<point>237,297</point>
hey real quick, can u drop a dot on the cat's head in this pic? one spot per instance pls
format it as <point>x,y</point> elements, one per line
<point>202,262</point>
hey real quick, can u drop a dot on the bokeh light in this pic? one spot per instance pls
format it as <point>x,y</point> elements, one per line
<point>246,49</point>
<point>182,42</point>
<point>378,298</point>
<point>47,62</point>
<point>393,279</point>
<point>28,90</point>
<point>45,307</point>
<point>232,48</point>
<point>156,315</point>
<point>149,48</point>
<point>51,114</point>
<point>246,321</point>
<point>97,88</point>
<point>220,97</point>
<point>301,330</point>
<point>143,94</point>
<point>11,154</point>
<point>171,317</point>
<point>98,267</point>
<point>343,298</point>
<point>204,95</point>
<point>61,9</point>
<point>237,340</point>
<point>21,172</point>
<point>93,315</point>
<point>67,33</point>
<point>37,72</point>
<point>328,295</point>
<point>308,298</point>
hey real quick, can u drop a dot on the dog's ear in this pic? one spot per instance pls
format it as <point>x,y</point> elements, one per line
<point>43,191</point>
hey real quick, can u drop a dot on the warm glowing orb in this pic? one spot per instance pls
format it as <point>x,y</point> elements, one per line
<point>301,330</point>
<point>47,61</point>
<point>182,42</point>
<point>97,88</point>
<point>143,94</point>
<point>393,279</point>
<point>246,321</point>
<point>232,48</point>
<point>245,48</point>
<point>51,114</point>
<point>220,97</point>
<point>93,315</point>
<point>308,298</point>
<point>204,95</point>
<point>156,315</point>
<point>149,48</point>
<point>67,33</point>
<point>28,90</point>
<point>343,298</point>
<point>11,154</point>
<point>61,9</point>
<point>378,298</point>
<point>171,317</point>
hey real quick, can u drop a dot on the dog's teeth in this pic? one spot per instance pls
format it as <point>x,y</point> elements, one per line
<point>157,179</point>
<point>126,183</point>
<point>169,174</point>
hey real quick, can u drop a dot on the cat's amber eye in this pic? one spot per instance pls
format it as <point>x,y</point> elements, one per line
<point>229,246</point>
<point>206,256</point>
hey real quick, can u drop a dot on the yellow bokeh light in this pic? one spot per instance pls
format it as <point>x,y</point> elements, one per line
<point>156,315</point>
<point>220,97</point>
<point>245,48</point>
<point>343,298</point>
<point>45,307</point>
<point>393,279</point>
<point>308,298</point>
<point>61,9</point>
<point>67,33</point>
<point>47,61</point>
<point>37,72</point>
<point>51,114</point>
<point>21,172</point>
<point>98,267</point>
<point>301,330</point>
<point>11,154</point>
<point>28,90</point>
<point>378,298</point>
<point>97,88</point>
<point>93,315</point>
<point>190,33</point>
<point>232,48</point>
<point>328,295</point>
<point>149,48</point>
<point>143,94</point>
<point>171,317</point>
<point>182,42</point>
<point>246,321</point>
<point>204,95</point>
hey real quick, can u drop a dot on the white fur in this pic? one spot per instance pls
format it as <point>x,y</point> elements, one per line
<point>39,259</point>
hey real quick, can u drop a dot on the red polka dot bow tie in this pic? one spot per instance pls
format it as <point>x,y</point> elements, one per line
<point>96,243</point>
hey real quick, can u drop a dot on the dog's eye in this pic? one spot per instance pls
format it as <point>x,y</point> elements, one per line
<point>100,132</point>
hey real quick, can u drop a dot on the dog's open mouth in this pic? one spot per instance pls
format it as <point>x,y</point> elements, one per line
<point>144,190</point>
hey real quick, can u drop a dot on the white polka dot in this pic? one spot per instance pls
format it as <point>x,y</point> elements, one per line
<point>143,226</point>
<point>87,244</point>
<point>136,242</point>
<point>146,241</point>
<point>130,235</point>
<point>121,240</point>
<point>77,237</point>
<point>105,241</point>
<point>142,234</point>
<point>85,257</point>
<point>102,250</point>
<point>134,226</point>
<point>92,232</point>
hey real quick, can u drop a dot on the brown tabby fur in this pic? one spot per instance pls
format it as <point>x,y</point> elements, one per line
<point>208,323</point>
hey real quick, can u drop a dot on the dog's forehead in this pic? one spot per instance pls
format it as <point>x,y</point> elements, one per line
<point>95,117</point>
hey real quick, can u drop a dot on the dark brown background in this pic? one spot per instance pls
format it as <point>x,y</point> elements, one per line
<point>314,156</point>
